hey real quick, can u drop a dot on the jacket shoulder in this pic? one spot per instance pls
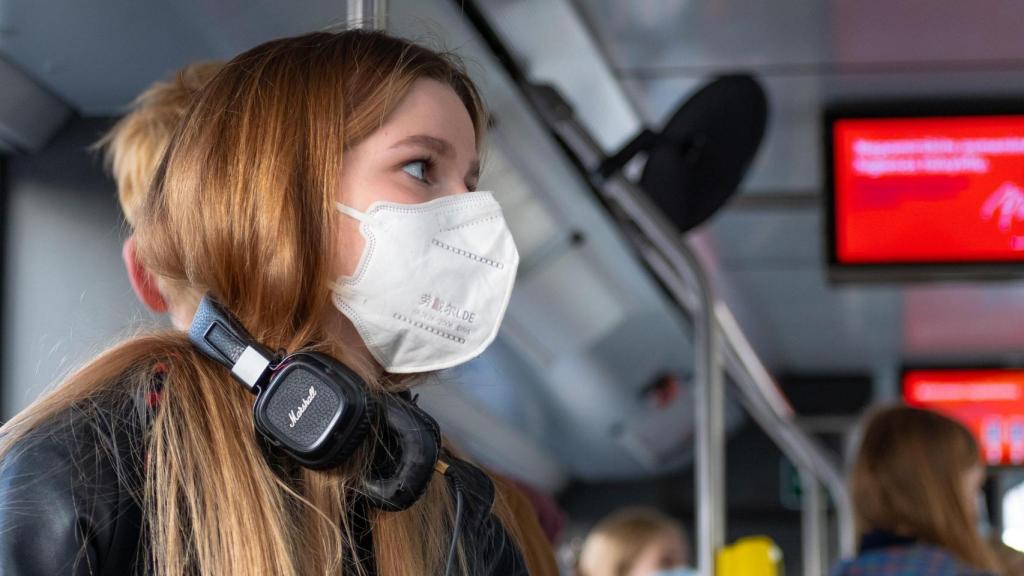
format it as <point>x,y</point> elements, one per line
<point>493,551</point>
<point>920,559</point>
<point>69,497</point>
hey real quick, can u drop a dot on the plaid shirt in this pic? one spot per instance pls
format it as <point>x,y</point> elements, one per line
<point>912,560</point>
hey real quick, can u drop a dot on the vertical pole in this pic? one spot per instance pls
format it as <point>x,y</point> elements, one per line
<point>370,14</point>
<point>709,398</point>
<point>710,436</point>
<point>812,524</point>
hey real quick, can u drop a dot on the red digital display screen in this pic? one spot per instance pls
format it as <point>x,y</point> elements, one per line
<point>989,402</point>
<point>928,190</point>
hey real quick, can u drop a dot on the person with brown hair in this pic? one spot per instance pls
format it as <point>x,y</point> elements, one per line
<point>132,150</point>
<point>635,541</point>
<point>914,486</point>
<point>296,167</point>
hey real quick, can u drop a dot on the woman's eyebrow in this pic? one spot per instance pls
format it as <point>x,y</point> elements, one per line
<point>434,144</point>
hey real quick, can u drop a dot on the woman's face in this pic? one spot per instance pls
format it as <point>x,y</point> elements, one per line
<point>662,553</point>
<point>425,149</point>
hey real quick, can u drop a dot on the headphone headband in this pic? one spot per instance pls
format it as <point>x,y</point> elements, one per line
<point>219,336</point>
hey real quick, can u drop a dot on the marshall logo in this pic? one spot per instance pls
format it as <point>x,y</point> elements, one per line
<point>294,415</point>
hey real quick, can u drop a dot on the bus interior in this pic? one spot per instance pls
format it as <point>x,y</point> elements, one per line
<point>694,326</point>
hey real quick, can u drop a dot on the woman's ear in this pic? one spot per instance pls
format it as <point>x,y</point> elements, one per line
<point>143,283</point>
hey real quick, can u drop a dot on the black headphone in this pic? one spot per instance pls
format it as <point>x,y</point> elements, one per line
<point>318,411</point>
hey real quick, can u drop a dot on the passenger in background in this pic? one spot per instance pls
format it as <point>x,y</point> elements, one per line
<point>914,486</point>
<point>635,542</point>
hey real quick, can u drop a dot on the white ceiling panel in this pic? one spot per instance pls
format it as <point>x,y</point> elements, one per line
<point>818,327</point>
<point>693,36</point>
<point>561,51</point>
<point>696,34</point>
<point>769,239</point>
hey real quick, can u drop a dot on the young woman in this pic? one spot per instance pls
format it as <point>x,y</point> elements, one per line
<point>914,487</point>
<point>322,189</point>
<point>635,542</point>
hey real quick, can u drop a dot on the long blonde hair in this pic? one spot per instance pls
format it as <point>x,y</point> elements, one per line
<point>907,479</point>
<point>242,206</point>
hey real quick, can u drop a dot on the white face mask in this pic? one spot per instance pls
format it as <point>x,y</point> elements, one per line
<point>433,282</point>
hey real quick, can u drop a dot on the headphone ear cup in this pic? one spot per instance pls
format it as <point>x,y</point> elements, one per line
<point>404,458</point>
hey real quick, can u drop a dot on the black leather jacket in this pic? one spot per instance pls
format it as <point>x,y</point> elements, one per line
<point>70,504</point>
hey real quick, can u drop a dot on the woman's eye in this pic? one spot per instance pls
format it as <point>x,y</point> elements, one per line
<point>417,169</point>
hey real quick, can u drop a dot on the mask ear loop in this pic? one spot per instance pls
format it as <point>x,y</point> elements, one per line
<point>352,212</point>
<point>363,218</point>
